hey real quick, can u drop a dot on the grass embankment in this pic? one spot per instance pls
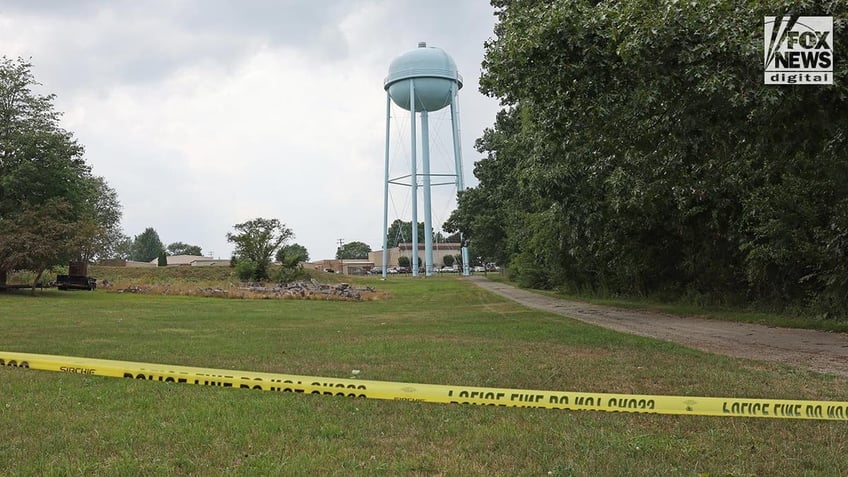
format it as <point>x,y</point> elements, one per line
<point>438,330</point>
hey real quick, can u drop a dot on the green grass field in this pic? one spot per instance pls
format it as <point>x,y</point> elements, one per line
<point>435,330</point>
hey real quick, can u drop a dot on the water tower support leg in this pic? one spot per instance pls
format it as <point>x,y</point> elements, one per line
<point>428,219</point>
<point>457,156</point>
<point>386,188</point>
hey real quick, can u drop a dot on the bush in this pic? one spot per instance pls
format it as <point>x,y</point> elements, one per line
<point>528,273</point>
<point>290,274</point>
<point>448,260</point>
<point>246,270</point>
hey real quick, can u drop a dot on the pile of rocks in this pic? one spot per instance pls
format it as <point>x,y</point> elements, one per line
<point>133,289</point>
<point>212,292</point>
<point>307,290</point>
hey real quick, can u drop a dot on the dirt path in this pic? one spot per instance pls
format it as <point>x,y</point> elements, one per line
<point>820,351</point>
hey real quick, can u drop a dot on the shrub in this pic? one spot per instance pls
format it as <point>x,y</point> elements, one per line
<point>448,260</point>
<point>246,270</point>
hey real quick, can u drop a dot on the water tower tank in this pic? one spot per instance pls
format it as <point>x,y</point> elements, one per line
<point>434,72</point>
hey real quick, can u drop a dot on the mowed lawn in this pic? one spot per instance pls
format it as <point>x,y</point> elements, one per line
<point>434,330</point>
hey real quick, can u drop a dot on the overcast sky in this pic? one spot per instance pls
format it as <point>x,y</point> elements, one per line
<point>206,113</point>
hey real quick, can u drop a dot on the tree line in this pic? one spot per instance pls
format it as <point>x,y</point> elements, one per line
<point>638,152</point>
<point>147,246</point>
<point>257,244</point>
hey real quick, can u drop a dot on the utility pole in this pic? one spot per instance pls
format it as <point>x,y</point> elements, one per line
<point>341,260</point>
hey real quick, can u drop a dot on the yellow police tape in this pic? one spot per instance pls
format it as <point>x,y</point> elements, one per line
<point>435,393</point>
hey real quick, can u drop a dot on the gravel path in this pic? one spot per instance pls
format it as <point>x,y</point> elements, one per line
<point>820,351</point>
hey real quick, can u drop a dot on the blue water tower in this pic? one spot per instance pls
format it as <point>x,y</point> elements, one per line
<point>421,81</point>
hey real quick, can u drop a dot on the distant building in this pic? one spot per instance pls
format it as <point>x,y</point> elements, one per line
<point>440,251</point>
<point>348,266</point>
<point>120,262</point>
<point>211,262</point>
<point>192,261</point>
<point>375,259</point>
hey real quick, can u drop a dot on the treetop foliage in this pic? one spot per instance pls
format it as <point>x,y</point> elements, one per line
<point>180,248</point>
<point>289,256</point>
<point>147,246</point>
<point>353,250</point>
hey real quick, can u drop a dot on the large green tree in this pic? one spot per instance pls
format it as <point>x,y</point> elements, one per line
<point>52,209</point>
<point>257,241</point>
<point>99,232</point>
<point>180,248</point>
<point>291,255</point>
<point>639,151</point>
<point>29,238</point>
<point>485,213</point>
<point>291,258</point>
<point>123,248</point>
<point>401,232</point>
<point>353,250</point>
<point>147,245</point>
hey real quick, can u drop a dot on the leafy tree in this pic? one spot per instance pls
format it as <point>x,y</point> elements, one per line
<point>31,237</point>
<point>179,248</point>
<point>99,231</point>
<point>484,214</point>
<point>147,246</point>
<point>163,259</point>
<point>454,237</point>
<point>291,258</point>
<point>258,240</point>
<point>404,261</point>
<point>353,250</point>
<point>291,255</point>
<point>122,248</point>
<point>52,209</point>
<point>401,232</point>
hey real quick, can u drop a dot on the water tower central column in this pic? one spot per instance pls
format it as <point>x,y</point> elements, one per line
<point>414,180</point>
